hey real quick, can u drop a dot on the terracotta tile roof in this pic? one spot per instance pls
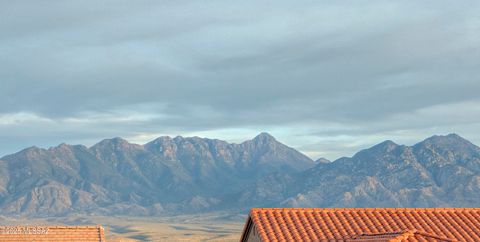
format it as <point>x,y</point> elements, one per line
<point>52,233</point>
<point>365,224</point>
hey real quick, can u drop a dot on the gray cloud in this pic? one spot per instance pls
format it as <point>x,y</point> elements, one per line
<point>326,77</point>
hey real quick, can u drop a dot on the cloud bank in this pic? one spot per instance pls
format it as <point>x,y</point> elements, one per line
<point>325,77</point>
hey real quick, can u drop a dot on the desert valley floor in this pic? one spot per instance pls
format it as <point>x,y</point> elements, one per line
<point>205,227</point>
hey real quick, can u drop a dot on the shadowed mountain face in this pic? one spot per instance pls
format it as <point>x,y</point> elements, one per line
<point>185,175</point>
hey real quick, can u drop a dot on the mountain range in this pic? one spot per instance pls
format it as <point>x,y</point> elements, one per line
<point>191,175</point>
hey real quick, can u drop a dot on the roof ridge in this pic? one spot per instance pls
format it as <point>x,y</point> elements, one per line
<point>404,235</point>
<point>384,235</point>
<point>366,209</point>
<point>434,236</point>
<point>401,235</point>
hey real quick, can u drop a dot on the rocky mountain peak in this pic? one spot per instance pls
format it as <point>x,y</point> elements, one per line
<point>178,138</point>
<point>113,142</point>
<point>451,142</point>
<point>386,145</point>
<point>262,140</point>
<point>32,151</point>
<point>264,137</point>
<point>446,140</point>
<point>379,149</point>
<point>322,161</point>
<point>63,146</point>
<point>160,141</point>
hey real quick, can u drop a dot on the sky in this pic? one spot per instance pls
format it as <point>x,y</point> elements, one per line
<point>326,77</point>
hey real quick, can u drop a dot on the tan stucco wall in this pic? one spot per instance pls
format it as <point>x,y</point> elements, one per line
<point>253,236</point>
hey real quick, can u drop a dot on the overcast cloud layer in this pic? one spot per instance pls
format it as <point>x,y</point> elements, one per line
<point>326,77</point>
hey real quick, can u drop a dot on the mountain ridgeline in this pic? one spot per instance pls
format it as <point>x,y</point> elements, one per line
<point>191,175</point>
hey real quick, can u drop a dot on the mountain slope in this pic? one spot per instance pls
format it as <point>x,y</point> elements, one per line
<point>440,171</point>
<point>192,174</point>
<point>115,177</point>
